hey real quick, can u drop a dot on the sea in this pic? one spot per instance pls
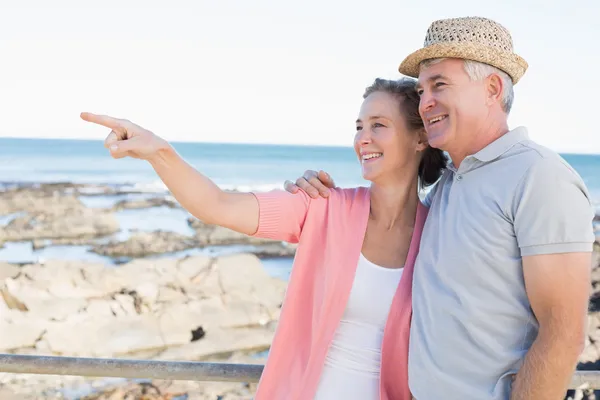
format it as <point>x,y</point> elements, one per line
<point>242,167</point>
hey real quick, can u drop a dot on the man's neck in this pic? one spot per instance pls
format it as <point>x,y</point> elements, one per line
<point>481,140</point>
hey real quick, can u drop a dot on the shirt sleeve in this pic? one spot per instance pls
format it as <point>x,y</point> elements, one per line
<point>552,210</point>
<point>281,215</point>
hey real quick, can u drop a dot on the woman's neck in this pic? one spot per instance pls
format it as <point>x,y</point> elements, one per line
<point>394,205</point>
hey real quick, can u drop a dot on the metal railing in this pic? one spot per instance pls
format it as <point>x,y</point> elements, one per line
<point>134,369</point>
<point>172,370</point>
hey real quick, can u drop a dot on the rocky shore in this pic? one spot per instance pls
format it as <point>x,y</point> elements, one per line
<point>150,294</point>
<point>194,308</point>
<point>168,294</point>
<point>57,215</point>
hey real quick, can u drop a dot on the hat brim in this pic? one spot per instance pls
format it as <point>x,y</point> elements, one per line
<point>512,64</point>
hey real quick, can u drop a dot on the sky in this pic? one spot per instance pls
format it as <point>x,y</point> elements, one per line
<point>271,71</point>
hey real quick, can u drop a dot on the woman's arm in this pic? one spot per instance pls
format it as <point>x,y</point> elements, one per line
<point>276,215</point>
<point>202,197</point>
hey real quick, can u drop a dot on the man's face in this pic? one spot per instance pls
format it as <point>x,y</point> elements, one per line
<point>453,107</point>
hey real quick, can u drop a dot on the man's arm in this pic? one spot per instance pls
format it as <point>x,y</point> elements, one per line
<point>558,287</point>
<point>553,226</point>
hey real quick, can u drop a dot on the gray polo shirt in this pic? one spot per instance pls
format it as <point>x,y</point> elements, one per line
<point>472,322</point>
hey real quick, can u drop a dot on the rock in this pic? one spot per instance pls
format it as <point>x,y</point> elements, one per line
<point>142,390</point>
<point>74,223</point>
<point>589,354</point>
<point>105,336</point>
<point>177,321</point>
<point>18,293</point>
<point>218,342</point>
<point>193,308</point>
<point>228,276</point>
<point>142,244</point>
<point>216,235</point>
<point>242,275</point>
<point>174,390</point>
<point>51,211</point>
<point>148,292</point>
<point>145,203</point>
<point>171,295</point>
<point>49,199</point>
<point>55,309</point>
<point>186,309</point>
<point>19,334</point>
<point>161,271</point>
<point>275,250</point>
<point>10,302</point>
<point>99,308</point>
<point>42,243</point>
<point>8,271</point>
<point>144,306</point>
<point>64,279</point>
<point>127,304</point>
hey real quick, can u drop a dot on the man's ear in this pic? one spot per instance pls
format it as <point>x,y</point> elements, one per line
<point>494,87</point>
<point>422,142</point>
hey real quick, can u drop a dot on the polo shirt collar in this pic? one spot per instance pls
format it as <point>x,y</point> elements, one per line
<point>502,144</point>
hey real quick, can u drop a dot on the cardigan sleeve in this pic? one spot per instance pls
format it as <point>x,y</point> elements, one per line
<point>281,215</point>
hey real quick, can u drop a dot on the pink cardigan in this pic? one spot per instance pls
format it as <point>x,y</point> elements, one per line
<point>330,234</point>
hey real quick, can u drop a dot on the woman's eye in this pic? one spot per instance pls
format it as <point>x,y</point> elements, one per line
<point>359,128</point>
<point>439,84</point>
<point>377,125</point>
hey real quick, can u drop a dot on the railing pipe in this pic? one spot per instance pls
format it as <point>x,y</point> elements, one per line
<point>173,370</point>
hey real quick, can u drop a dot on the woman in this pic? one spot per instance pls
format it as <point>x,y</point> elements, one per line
<point>344,325</point>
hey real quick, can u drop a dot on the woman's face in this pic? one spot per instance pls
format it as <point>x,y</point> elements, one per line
<point>385,147</point>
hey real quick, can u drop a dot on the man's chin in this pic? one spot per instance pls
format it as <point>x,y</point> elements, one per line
<point>437,140</point>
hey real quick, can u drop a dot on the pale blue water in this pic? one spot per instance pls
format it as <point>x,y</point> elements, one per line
<point>239,166</point>
<point>232,166</point>
<point>229,165</point>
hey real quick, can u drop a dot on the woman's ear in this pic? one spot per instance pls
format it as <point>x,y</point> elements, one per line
<point>422,142</point>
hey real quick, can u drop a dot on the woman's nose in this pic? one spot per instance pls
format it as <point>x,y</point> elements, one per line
<point>364,137</point>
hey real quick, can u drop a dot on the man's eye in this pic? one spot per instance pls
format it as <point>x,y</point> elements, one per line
<point>438,84</point>
<point>359,128</point>
<point>377,125</point>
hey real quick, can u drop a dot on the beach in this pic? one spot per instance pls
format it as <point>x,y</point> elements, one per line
<point>206,294</point>
<point>97,259</point>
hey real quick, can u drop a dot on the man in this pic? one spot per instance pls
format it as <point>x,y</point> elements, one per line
<point>502,281</point>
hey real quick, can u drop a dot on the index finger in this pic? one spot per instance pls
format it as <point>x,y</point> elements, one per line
<point>104,120</point>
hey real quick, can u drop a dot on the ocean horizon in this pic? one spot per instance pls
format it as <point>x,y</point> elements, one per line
<point>233,166</point>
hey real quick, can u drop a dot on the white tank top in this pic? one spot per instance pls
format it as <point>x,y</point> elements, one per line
<point>351,369</point>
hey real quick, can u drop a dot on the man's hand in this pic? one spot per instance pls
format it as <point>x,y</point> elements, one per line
<point>314,183</point>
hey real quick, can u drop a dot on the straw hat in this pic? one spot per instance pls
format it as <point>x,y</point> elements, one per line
<point>470,38</point>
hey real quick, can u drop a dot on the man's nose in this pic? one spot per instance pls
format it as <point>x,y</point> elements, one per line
<point>426,103</point>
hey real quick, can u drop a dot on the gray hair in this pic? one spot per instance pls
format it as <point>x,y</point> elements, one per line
<point>478,71</point>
